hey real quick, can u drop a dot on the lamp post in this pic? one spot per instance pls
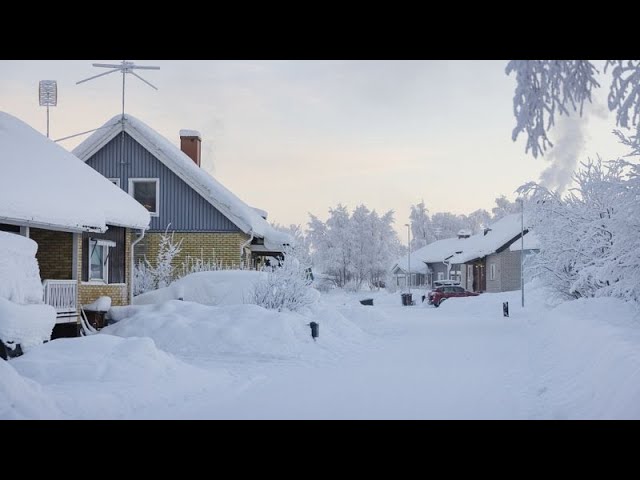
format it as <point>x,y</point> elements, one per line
<point>408,225</point>
<point>521,201</point>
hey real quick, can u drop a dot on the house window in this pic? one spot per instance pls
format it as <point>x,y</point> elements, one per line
<point>147,192</point>
<point>99,260</point>
<point>492,271</point>
<point>440,275</point>
<point>115,181</point>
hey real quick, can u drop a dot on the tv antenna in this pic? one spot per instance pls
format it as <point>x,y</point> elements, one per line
<point>124,67</point>
<point>48,95</point>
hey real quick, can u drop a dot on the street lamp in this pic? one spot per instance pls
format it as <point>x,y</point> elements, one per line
<point>408,225</point>
<point>521,201</point>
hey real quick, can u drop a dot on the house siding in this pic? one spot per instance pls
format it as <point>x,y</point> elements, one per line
<point>54,253</point>
<point>438,267</point>
<point>179,204</point>
<point>119,293</point>
<point>215,247</point>
<point>507,271</point>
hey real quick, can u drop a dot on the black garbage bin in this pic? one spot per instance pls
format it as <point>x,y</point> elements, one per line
<point>407,299</point>
<point>315,329</point>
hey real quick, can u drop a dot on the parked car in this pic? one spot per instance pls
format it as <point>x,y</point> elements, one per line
<point>440,294</point>
<point>439,283</point>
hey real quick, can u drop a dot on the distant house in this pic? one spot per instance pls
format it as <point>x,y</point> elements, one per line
<point>84,226</point>
<point>488,263</point>
<point>212,222</point>
<point>484,262</point>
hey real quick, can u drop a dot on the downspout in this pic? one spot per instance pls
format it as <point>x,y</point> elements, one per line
<point>132,263</point>
<point>448,265</point>
<point>244,245</point>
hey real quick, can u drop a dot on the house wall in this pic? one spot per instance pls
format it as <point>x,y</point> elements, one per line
<point>54,253</point>
<point>507,271</point>
<point>438,267</point>
<point>224,247</point>
<point>119,292</point>
<point>179,204</point>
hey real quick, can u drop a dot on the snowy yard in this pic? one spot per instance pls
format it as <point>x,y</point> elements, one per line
<point>464,360</point>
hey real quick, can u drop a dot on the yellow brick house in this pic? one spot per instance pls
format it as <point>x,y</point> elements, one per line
<point>85,227</point>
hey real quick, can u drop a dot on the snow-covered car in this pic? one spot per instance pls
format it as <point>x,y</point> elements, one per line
<point>440,294</point>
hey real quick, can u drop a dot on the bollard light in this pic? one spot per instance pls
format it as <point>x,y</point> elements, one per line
<point>505,309</point>
<point>315,327</point>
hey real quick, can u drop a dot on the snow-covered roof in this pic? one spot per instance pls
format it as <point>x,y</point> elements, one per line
<point>498,234</point>
<point>241,214</point>
<point>460,250</point>
<point>433,253</point>
<point>42,184</point>
<point>531,242</point>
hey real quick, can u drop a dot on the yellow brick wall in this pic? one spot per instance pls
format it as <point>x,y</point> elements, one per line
<point>119,293</point>
<point>224,247</point>
<point>54,253</point>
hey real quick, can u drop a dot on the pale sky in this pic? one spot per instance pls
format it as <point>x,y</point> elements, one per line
<point>293,137</point>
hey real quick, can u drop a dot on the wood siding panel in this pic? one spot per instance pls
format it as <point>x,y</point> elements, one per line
<point>180,205</point>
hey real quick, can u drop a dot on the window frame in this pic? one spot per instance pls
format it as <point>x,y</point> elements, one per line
<point>115,181</point>
<point>104,245</point>
<point>133,181</point>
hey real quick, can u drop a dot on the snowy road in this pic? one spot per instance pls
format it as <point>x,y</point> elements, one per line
<point>424,363</point>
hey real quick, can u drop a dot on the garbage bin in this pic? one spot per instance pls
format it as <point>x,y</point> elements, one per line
<point>407,299</point>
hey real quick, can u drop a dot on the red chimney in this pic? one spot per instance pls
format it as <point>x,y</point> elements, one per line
<point>190,143</point>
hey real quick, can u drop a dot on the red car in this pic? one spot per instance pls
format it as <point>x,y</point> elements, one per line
<point>440,294</point>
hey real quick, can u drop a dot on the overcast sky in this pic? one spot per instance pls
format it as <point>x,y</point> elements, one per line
<point>293,137</point>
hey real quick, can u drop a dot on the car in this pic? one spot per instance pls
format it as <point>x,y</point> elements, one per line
<point>439,283</point>
<point>440,294</point>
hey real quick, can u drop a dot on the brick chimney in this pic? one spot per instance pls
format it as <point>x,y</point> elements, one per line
<point>190,143</point>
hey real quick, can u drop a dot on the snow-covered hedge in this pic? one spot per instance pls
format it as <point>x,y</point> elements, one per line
<point>27,325</point>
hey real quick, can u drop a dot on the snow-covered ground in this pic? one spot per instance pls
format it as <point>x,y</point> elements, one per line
<point>181,359</point>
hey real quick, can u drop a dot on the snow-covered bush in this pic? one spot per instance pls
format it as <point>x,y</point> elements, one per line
<point>195,265</point>
<point>148,276</point>
<point>286,287</point>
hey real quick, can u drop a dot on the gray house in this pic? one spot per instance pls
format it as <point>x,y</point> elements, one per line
<point>486,262</point>
<point>212,222</point>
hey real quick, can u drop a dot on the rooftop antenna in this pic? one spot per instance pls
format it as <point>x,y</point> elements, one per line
<point>125,67</point>
<point>48,94</point>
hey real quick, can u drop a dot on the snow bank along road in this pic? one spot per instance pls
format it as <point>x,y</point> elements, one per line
<point>463,360</point>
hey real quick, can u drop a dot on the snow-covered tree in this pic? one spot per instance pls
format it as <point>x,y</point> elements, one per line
<point>503,208</point>
<point>300,239</point>
<point>589,237</point>
<point>354,249</point>
<point>547,87</point>
<point>421,228</point>
<point>286,286</point>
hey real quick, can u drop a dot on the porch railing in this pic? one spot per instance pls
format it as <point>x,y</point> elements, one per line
<point>61,295</point>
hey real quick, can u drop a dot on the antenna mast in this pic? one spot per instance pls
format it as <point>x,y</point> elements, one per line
<point>124,67</point>
<point>48,94</point>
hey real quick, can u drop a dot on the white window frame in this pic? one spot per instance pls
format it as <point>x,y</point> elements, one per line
<point>492,271</point>
<point>157,180</point>
<point>440,275</point>
<point>116,181</point>
<point>104,245</point>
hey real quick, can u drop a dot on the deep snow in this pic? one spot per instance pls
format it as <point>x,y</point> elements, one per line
<point>579,359</point>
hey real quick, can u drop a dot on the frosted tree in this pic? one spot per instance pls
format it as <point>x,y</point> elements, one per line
<point>503,208</point>
<point>447,225</point>
<point>354,249</point>
<point>478,220</point>
<point>301,240</point>
<point>421,228</point>
<point>286,286</point>
<point>545,88</point>
<point>589,244</point>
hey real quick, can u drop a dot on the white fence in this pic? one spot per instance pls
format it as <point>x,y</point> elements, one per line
<point>62,295</point>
